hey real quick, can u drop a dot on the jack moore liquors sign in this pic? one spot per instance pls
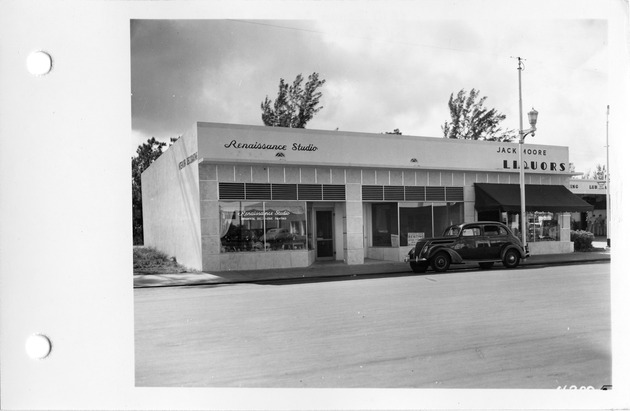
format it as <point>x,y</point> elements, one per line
<point>539,162</point>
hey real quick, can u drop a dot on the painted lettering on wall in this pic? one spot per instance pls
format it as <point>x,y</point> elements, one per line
<point>274,147</point>
<point>528,151</point>
<point>256,146</point>
<point>264,215</point>
<point>535,165</point>
<point>300,147</point>
<point>187,160</point>
<point>530,165</point>
<point>601,186</point>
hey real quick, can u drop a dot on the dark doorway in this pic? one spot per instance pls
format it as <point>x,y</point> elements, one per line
<point>324,230</point>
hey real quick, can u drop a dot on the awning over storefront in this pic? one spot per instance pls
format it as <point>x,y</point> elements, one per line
<point>507,197</point>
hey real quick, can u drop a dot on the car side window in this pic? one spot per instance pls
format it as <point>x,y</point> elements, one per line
<point>491,230</point>
<point>471,231</point>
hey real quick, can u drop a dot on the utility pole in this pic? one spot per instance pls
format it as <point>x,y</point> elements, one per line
<point>521,140</point>
<point>533,118</point>
<point>608,225</point>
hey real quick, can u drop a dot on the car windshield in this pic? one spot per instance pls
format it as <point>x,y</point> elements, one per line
<point>452,231</point>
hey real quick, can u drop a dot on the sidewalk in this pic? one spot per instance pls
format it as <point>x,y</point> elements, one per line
<point>339,269</point>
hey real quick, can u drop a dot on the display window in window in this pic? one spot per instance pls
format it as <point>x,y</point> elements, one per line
<point>262,226</point>
<point>241,225</point>
<point>543,226</point>
<point>384,224</point>
<point>285,227</point>
<point>446,215</point>
<point>422,220</point>
<point>416,223</point>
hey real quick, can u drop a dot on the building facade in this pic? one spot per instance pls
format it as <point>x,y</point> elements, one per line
<point>594,193</point>
<point>236,197</point>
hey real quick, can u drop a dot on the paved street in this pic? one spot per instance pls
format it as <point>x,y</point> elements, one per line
<point>536,327</point>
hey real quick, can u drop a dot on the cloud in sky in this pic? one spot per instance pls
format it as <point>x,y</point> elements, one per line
<point>380,75</point>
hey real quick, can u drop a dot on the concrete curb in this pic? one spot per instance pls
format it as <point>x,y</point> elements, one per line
<point>335,270</point>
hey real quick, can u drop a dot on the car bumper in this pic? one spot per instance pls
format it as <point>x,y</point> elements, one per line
<point>409,259</point>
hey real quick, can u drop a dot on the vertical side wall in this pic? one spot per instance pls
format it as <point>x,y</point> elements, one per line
<point>210,221</point>
<point>170,203</point>
<point>353,224</point>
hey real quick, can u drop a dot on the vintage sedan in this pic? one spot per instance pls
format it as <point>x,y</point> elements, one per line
<point>482,242</point>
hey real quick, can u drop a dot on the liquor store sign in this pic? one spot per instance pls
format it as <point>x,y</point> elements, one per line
<point>533,159</point>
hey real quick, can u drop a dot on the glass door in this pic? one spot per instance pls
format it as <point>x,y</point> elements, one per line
<point>324,231</point>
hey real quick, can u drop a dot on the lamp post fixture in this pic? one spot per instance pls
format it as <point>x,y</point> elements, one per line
<point>533,118</point>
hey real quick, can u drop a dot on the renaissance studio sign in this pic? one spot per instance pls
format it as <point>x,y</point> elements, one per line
<point>275,147</point>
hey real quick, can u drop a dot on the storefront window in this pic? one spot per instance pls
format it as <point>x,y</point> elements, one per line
<point>541,226</point>
<point>421,220</point>
<point>447,214</point>
<point>240,230</point>
<point>262,226</point>
<point>385,224</point>
<point>309,225</point>
<point>416,222</point>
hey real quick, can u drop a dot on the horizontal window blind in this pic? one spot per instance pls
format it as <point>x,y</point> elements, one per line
<point>412,193</point>
<point>266,191</point>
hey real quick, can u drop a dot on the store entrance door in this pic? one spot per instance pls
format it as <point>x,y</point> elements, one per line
<point>324,231</point>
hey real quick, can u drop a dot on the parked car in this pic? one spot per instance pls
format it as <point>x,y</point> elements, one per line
<point>482,242</point>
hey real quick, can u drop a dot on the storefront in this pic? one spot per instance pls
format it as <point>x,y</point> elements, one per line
<point>227,197</point>
<point>594,193</point>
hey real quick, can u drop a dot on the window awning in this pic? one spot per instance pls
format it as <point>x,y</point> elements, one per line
<point>507,197</point>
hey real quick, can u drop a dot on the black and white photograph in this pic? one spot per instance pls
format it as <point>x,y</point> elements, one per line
<point>338,203</point>
<point>314,205</point>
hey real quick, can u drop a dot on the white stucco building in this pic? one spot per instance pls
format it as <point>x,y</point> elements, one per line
<point>226,197</point>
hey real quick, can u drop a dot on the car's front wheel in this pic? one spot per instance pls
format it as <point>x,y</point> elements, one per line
<point>418,267</point>
<point>441,261</point>
<point>511,258</point>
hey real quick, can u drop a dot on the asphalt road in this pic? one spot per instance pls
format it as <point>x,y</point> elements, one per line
<point>538,327</point>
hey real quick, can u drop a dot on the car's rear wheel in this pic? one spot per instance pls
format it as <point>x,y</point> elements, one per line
<point>418,267</point>
<point>486,266</point>
<point>511,258</point>
<point>441,261</point>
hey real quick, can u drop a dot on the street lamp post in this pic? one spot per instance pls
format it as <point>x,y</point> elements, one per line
<point>533,118</point>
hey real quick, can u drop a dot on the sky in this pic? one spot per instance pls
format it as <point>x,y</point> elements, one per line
<point>381,74</point>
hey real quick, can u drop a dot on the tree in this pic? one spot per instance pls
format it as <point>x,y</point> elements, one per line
<point>147,153</point>
<point>295,105</point>
<point>472,121</point>
<point>396,132</point>
<point>598,174</point>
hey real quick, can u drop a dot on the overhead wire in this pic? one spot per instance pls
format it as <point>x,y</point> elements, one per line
<point>406,43</point>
